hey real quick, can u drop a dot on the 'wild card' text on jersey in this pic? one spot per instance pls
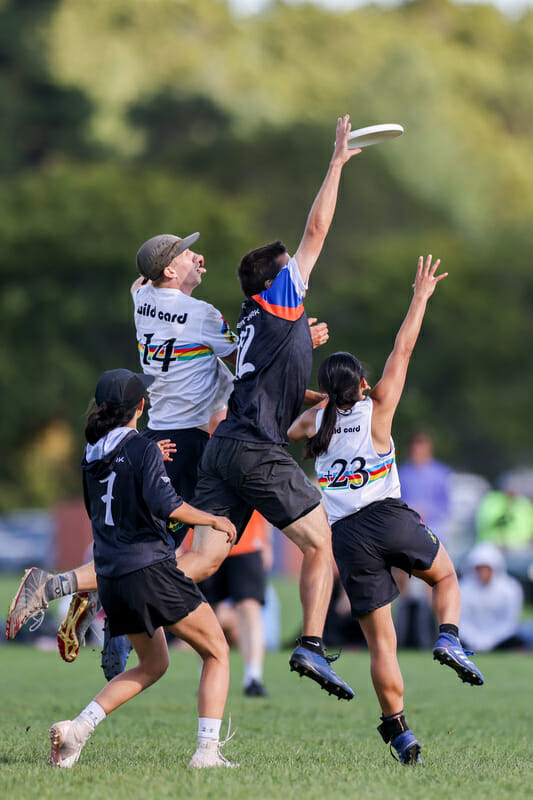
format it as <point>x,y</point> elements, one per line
<point>179,339</point>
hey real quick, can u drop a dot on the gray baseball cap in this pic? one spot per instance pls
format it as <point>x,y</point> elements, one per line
<point>157,253</point>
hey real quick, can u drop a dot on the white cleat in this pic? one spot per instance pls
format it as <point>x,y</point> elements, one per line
<point>208,755</point>
<point>68,738</point>
<point>29,602</point>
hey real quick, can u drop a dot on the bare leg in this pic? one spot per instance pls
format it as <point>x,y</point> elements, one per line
<point>86,577</point>
<point>446,595</point>
<point>201,630</point>
<point>153,663</point>
<point>208,550</point>
<point>378,629</point>
<point>312,535</point>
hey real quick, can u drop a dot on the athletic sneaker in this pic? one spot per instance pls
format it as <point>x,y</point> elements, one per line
<point>408,748</point>
<point>68,738</point>
<point>115,653</point>
<point>317,667</point>
<point>71,633</point>
<point>449,650</point>
<point>28,603</point>
<point>208,755</point>
<point>255,689</point>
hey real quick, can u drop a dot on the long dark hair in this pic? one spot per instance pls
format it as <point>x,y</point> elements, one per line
<point>340,377</point>
<point>102,419</point>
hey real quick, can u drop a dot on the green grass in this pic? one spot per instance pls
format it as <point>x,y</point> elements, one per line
<point>298,743</point>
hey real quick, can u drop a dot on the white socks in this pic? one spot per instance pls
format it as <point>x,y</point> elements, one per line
<point>208,729</point>
<point>93,714</point>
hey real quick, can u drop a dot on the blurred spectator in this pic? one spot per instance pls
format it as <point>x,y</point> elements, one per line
<point>491,602</point>
<point>425,484</point>
<point>505,519</point>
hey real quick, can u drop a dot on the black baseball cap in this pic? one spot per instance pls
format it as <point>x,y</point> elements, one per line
<point>157,253</point>
<point>121,387</point>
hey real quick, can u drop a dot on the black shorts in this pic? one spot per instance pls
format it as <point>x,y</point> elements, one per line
<point>240,577</point>
<point>368,543</point>
<point>237,477</point>
<point>183,469</point>
<point>147,599</point>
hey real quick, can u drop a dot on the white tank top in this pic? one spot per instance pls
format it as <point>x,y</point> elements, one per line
<point>350,473</point>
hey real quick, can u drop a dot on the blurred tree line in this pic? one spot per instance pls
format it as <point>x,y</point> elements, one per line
<point>125,119</point>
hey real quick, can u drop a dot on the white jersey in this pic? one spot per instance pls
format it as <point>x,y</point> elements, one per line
<point>179,339</point>
<point>350,473</point>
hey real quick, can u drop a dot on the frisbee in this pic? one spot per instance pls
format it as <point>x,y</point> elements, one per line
<point>374,134</point>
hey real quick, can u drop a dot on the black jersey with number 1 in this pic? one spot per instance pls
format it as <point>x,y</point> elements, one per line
<point>273,362</point>
<point>128,497</point>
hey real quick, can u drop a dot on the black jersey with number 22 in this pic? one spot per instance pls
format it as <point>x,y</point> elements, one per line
<point>273,362</point>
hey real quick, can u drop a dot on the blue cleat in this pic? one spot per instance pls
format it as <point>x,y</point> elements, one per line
<point>408,748</point>
<point>317,667</point>
<point>449,650</point>
<point>115,653</point>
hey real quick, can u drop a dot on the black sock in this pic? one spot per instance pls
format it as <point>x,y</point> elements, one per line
<point>60,585</point>
<point>393,726</point>
<point>449,628</point>
<point>313,643</point>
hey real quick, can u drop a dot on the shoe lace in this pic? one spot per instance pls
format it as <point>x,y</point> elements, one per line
<point>393,754</point>
<point>229,735</point>
<point>334,657</point>
<point>36,620</point>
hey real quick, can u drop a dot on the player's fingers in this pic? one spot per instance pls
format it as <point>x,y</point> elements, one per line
<point>434,267</point>
<point>312,320</point>
<point>440,277</point>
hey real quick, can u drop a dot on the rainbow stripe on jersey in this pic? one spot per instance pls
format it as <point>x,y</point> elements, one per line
<point>185,352</point>
<point>356,478</point>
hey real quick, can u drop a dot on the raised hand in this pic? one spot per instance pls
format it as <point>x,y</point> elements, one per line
<point>425,279</point>
<point>341,154</point>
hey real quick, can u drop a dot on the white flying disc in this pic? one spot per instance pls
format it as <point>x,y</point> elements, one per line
<point>374,134</point>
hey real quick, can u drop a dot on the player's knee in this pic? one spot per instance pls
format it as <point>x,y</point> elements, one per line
<point>219,649</point>
<point>155,670</point>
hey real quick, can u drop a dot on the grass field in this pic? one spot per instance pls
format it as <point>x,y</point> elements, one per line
<point>298,743</point>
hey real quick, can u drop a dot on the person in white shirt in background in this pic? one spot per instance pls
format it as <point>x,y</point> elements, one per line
<point>492,602</point>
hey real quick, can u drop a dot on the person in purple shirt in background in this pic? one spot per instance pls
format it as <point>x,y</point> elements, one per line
<point>425,484</point>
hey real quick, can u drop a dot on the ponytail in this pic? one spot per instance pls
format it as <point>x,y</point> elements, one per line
<point>319,443</point>
<point>340,376</point>
<point>104,418</point>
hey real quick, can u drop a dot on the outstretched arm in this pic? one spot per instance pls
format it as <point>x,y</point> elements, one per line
<point>321,214</point>
<point>387,392</point>
<point>304,426</point>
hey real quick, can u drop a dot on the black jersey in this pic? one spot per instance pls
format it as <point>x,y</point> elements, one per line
<point>273,362</point>
<point>128,497</point>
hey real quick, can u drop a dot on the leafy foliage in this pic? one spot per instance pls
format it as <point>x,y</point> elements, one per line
<point>129,118</point>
